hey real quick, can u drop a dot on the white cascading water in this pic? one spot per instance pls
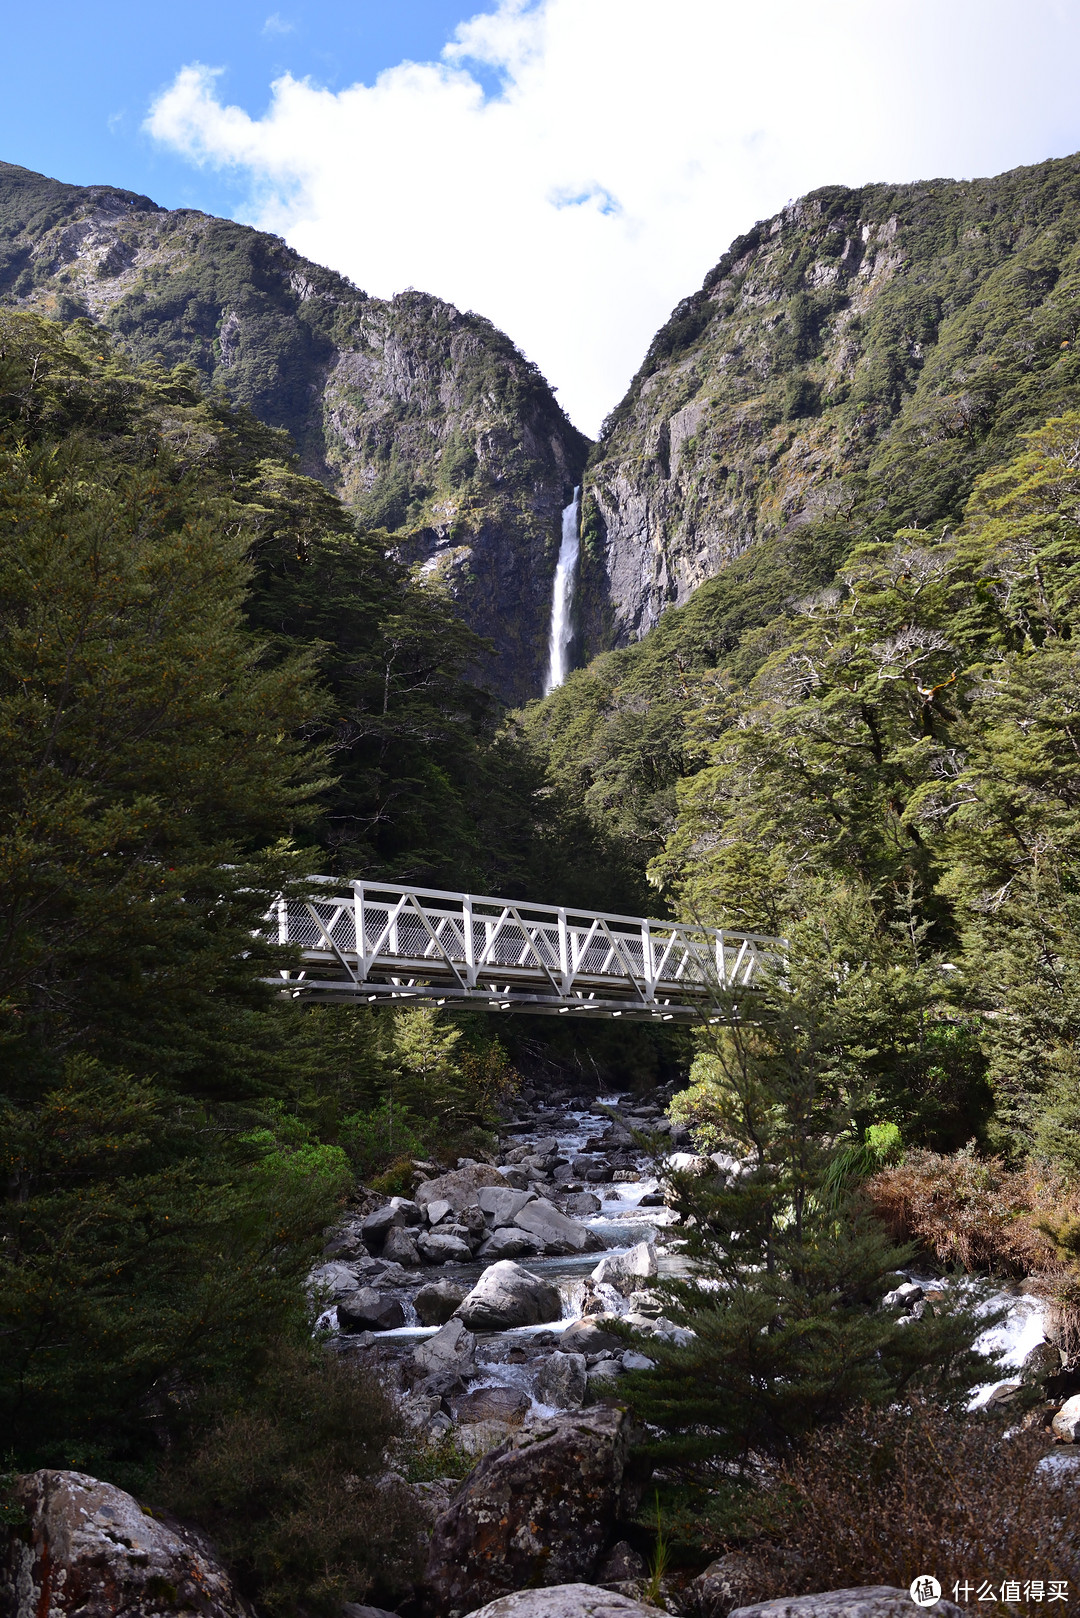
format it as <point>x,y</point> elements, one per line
<point>562,596</point>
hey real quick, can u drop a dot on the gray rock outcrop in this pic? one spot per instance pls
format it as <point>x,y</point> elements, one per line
<point>538,1510</point>
<point>561,1381</point>
<point>90,1549</point>
<point>367,1309</point>
<point>460,1187</point>
<point>436,1302</point>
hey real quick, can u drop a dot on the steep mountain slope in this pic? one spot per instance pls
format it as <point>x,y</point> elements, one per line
<point>427,421</point>
<point>858,359</point>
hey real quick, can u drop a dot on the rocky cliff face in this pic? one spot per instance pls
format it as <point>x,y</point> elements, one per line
<point>876,347</point>
<point>427,421</point>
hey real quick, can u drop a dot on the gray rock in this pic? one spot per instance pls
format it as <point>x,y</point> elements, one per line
<point>436,1302</point>
<point>725,1583</point>
<point>376,1225</point>
<point>509,1242</point>
<point>409,1212</point>
<point>89,1548</point>
<point>452,1351</point>
<point>538,1510</point>
<point>439,1247</point>
<point>517,1177</point>
<point>501,1204</point>
<point>400,1248</point>
<point>581,1203</point>
<point>555,1230</point>
<point>633,1361</point>
<point>1066,1423</point>
<point>868,1601</point>
<point>639,1261</point>
<point>491,1404</point>
<point>369,1310</point>
<point>907,1294</point>
<point>586,1337</point>
<point>561,1381</point>
<point>507,1295</point>
<point>460,1187</point>
<point>621,1563</point>
<point>337,1279</point>
<point>438,1210</point>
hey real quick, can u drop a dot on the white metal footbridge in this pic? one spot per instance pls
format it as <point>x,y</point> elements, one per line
<point>375,942</point>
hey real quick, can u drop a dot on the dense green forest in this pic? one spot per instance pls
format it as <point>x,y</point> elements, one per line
<point>211,684</point>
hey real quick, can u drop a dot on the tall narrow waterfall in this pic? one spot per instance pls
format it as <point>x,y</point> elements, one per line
<point>562,596</point>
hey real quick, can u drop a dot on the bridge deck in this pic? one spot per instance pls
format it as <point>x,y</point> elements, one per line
<point>373,942</point>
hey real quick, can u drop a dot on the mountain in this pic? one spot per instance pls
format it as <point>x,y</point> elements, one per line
<point>428,422</point>
<point>853,362</point>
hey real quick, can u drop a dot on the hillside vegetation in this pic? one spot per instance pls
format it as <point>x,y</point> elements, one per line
<point>425,421</point>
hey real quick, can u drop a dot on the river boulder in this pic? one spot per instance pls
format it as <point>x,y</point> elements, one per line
<point>509,1242</point>
<point>539,1510</point>
<point>437,1301</point>
<point>557,1231</point>
<point>500,1205</point>
<point>508,1295</point>
<point>491,1404</point>
<point>367,1309</point>
<point>459,1188</point>
<point>451,1350</point>
<point>636,1262</point>
<point>90,1548</point>
<point>561,1381</point>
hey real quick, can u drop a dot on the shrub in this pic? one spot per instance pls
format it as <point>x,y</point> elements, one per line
<point>974,1211</point>
<point>889,1494</point>
<point>292,1486</point>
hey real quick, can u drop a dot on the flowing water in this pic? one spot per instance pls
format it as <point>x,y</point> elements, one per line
<point>562,596</point>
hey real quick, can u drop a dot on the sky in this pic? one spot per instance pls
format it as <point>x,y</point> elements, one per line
<point>568,168</point>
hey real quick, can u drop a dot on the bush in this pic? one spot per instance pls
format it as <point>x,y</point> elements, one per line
<point>974,1211</point>
<point>292,1486</point>
<point>893,1493</point>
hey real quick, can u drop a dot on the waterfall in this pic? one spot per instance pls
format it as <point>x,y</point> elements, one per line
<point>562,596</point>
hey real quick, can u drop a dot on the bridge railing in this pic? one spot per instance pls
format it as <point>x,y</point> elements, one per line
<point>381,940</point>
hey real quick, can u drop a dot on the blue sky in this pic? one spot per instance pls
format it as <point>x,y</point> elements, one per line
<point>76,80</point>
<point>569,168</point>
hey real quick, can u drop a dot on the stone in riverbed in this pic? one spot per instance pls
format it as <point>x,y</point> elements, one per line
<point>637,1262</point>
<point>439,1247</point>
<point>538,1510</point>
<point>586,1337</point>
<point>1066,1424</point>
<point>500,1203</point>
<point>369,1310</point>
<point>91,1549</point>
<point>561,1381</point>
<point>338,1279</point>
<point>509,1242</point>
<point>507,1295</point>
<point>459,1188</point>
<point>400,1248</point>
<point>581,1203</point>
<point>438,1210</point>
<point>555,1230</point>
<point>451,1350</point>
<point>491,1404</point>
<point>436,1302</point>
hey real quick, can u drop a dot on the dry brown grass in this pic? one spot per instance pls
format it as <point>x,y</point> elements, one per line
<point>889,1494</point>
<point>975,1212</point>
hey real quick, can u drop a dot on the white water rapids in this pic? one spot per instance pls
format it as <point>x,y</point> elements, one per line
<point>562,596</point>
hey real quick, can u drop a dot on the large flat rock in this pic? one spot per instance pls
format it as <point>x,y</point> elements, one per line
<point>460,1187</point>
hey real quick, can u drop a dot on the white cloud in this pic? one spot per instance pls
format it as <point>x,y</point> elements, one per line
<point>630,142</point>
<point>277,24</point>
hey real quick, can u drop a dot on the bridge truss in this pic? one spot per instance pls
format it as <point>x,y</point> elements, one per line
<point>371,943</point>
